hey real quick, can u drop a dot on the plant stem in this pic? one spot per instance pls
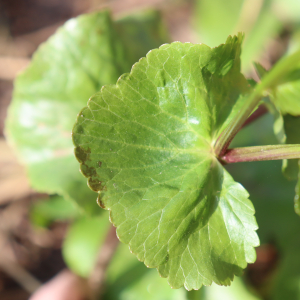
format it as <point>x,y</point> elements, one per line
<point>260,153</point>
<point>281,69</point>
<point>257,114</point>
<point>234,126</point>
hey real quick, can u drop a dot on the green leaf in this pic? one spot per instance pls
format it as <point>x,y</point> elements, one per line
<point>260,70</point>
<point>82,243</point>
<point>146,145</point>
<point>288,8</point>
<point>217,19</point>
<point>286,130</point>
<point>129,279</point>
<point>43,212</point>
<point>265,26</point>
<point>297,190</point>
<point>140,33</point>
<point>236,291</point>
<point>286,88</point>
<point>291,127</point>
<point>278,126</point>
<point>286,97</point>
<point>272,195</point>
<point>84,54</point>
<point>285,125</point>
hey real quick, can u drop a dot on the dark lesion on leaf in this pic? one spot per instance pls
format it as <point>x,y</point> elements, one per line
<point>82,154</point>
<point>100,202</point>
<point>88,171</point>
<point>96,185</point>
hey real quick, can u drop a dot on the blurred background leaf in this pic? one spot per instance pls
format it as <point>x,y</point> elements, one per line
<point>270,26</point>
<point>56,208</point>
<point>83,241</point>
<point>261,20</point>
<point>279,226</point>
<point>64,73</point>
<point>127,278</point>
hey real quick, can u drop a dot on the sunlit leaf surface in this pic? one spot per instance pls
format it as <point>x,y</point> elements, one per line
<point>146,145</point>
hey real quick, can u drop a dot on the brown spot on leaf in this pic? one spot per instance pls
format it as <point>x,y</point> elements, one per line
<point>82,154</point>
<point>88,170</point>
<point>100,202</point>
<point>95,184</point>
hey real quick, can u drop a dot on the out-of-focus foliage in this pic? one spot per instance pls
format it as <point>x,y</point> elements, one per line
<point>84,54</point>
<point>48,97</point>
<point>83,242</point>
<point>261,20</point>
<point>217,19</point>
<point>128,279</point>
<point>272,195</point>
<point>56,208</point>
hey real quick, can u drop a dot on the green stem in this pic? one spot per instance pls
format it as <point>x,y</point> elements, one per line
<point>282,68</point>
<point>234,126</point>
<point>260,153</point>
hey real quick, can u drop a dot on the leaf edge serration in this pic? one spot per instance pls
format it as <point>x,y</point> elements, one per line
<point>82,157</point>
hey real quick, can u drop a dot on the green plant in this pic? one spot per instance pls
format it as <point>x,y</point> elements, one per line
<point>154,147</point>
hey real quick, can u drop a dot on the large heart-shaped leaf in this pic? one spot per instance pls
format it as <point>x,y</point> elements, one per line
<point>146,145</point>
<point>84,54</point>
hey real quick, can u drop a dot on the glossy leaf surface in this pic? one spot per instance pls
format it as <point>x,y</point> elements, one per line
<point>86,53</point>
<point>146,145</point>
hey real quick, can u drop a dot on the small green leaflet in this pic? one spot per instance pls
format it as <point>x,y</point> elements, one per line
<point>286,95</point>
<point>260,70</point>
<point>286,112</point>
<point>84,54</point>
<point>286,98</point>
<point>286,128</point>
<point>291,128</point>
<point>146,146</point>
<point>291,167</point>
